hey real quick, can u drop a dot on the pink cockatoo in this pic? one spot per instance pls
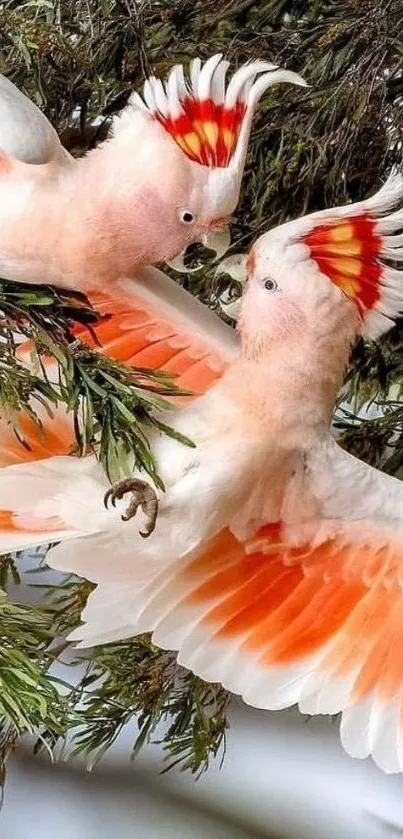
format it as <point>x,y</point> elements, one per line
<point>169,174</point>
<point>276,563</point>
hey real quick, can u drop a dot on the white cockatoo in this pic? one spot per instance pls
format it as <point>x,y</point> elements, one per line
<point>169,174</point>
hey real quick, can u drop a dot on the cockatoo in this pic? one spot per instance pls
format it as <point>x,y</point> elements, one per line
<point>169,174</point>
<point>276,563</point>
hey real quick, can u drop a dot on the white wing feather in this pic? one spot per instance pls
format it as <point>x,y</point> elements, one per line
<point>25,132</point>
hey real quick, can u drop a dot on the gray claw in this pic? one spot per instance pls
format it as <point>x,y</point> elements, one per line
<point>143,496</point>
<point>107,497</point>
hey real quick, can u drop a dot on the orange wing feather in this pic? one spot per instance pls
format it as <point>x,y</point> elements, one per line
<point>321,625</point>
<point>163,330</point>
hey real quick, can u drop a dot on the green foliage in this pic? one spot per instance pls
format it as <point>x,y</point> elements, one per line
<point>112,404</point>
<point>139,681</point>
<point>375,377</point>
<point>310,148</point>
<point>329,144</point>
<point>132,681</point>
<point>29,699</point>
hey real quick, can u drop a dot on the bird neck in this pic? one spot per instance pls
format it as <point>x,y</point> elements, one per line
<point>293,383</point>
<point>102,239</point>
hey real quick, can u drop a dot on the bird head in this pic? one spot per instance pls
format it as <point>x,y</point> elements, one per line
<point>197,130</point>
<point>332,272</point>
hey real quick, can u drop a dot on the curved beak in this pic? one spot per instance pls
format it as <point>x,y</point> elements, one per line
<point>235,267</point>
<point>218,241</point>
<point>213,246</point>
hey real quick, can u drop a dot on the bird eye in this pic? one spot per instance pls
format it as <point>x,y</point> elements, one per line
<point>186,216</point>
<point>270,285</point>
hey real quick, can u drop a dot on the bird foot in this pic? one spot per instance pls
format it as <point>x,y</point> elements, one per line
<point>143,496</point>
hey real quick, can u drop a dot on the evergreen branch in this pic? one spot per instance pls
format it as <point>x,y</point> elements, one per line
<point>141,682</point>
<point>29,699</point>
<point>111,403</point>
<point>128,681</point>
<point>375,378</point>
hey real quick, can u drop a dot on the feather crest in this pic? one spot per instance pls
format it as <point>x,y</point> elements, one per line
<point>203,117</point>
<point>354,245</point>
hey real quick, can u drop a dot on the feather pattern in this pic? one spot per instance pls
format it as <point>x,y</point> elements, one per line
<point>320,625</point>
<point>282,620</point>
<point>353,247</point>
<point>148,322</point>
<point>203,118</point>
<point>25,133</point>
<point>276,565</point>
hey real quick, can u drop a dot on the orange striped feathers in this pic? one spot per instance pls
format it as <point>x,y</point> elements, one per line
<point>54,436</point>
<point>152,324</point>
<point>142,336</point>
<point>347,252</point>
<point>7,520</point>
<point>13,523</point>
<point>320,625</point>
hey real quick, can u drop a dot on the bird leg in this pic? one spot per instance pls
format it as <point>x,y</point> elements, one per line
<point>143,496</point>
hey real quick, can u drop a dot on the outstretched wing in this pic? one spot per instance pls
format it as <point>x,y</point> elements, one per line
<point>152,323</point>
<point>155,323</point>
<point>319,624</point>
<point>25,133</point>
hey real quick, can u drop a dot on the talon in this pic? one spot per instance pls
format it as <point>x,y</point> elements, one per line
<point>143,496</point>
<point>150,508</point>
<point>107,497</point>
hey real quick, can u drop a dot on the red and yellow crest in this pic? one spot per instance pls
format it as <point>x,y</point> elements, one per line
<point>347,252</point>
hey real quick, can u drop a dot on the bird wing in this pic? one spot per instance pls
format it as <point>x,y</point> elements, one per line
<point>25,133</point>
<point>151,323</point>
<point>157,324</point>
<point>319,623</point>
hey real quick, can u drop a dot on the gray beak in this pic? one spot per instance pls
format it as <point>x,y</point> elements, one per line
<point>235,267</point>
<point>195,256</point>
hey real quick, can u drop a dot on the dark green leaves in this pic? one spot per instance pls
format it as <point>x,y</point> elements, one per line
<point>135,680</point>
<point>310,149</point>
<point>113,405</point>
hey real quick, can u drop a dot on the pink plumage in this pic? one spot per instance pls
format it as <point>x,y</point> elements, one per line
<point>276,562</point>
<point>138,198</point>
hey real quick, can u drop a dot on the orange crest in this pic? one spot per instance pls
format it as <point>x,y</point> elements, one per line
<point>347,252</point>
